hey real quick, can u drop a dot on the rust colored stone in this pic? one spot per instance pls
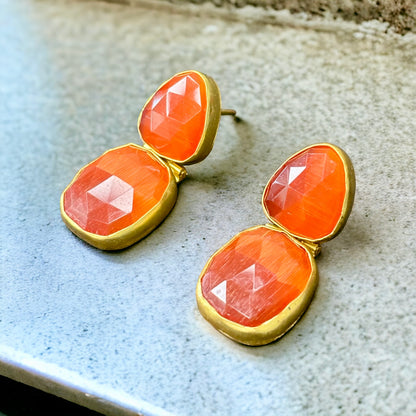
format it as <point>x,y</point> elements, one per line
<point>116,190</point>
<point>307,193</point>
<point>173,120</point>
<point>255,276</point>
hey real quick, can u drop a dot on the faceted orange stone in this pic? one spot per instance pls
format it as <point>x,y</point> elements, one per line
<point>116,190</point>
<point>255,276</point>
<point>173,120</point>
<point>307,193</point>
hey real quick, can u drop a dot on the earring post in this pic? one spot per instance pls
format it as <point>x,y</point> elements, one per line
<point>228,112</point>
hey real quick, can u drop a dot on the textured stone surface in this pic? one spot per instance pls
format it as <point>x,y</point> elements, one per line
<point>124,327</point>
<point>116,190</point>
<point>306,195</point>
<point>399,15</point>
<point>173,121</point>
<point>255,276</point>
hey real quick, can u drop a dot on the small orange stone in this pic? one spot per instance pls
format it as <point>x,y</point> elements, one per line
<point>255,276</point>
<point>173,121</point>
<point>306,195</point>
<point>116,190</point>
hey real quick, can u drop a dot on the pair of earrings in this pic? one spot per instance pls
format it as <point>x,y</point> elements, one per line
<point>255,287</point>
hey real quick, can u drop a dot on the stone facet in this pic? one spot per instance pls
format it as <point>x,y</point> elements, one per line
<point>173,121</point>
<point>306,195</point>
<point>255,276</point>
<point>116,190</point>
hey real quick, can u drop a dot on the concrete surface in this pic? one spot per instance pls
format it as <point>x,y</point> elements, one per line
<point>398,15</point>
<point>120,332</point>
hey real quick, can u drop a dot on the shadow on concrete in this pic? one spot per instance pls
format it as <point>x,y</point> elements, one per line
<point>20,400</point>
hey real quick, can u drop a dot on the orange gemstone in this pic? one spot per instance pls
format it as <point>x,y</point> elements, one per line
<point>116,190</point>
<point>173,120</point>
<point>255,276</point>
<point>306,195</point>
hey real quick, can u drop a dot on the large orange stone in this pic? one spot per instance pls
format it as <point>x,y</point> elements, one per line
<point>255,276</point>
<point>306,195</point>
<point>173,120</point>
<point>116,190</point>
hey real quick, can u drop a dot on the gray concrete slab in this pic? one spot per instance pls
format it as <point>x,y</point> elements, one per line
<point>120,332</point>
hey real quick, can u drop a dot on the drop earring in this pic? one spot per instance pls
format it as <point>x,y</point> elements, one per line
<point>125,193</point>
<point>257,286</point>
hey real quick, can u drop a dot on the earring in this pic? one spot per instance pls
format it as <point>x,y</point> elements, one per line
<point>123,195</point>
<point>257,286</point>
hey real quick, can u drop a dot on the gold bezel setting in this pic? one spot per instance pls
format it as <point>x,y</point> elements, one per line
<point>212,120</point>
<point>275,327</point>
<point>348,198</point>
<point>139,229</point>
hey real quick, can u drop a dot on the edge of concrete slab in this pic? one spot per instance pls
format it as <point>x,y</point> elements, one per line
<point>399,15</point>
<point>373,29</point>
<point>71,387</point>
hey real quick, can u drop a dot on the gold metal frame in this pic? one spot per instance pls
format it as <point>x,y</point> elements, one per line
<point>136,231</point>
<point>275,327</point>
<point>212,120</point>
<point>348,199</point>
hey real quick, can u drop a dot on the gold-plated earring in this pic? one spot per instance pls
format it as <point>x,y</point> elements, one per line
<point>257,286</point>
<point>124,194</point>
